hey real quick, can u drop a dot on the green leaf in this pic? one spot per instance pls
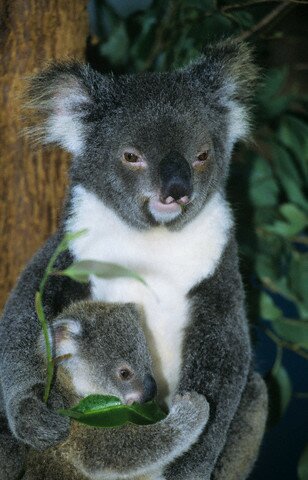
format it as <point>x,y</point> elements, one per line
<point>244,18</point>
<point>280,393</point>
<point>108,411</point>
<point>302,468</point>
<point>271,102</point>
<point>68,238</point>
<point>116,47</point>
<point>263,189</point>
<point>294,215</point>
<point>81,271</point>
<point>293,133</point>
<point>266,267</point>
<point>294,331</point>
<point>281,228</point>
<point>200,4</point>
<point>288,175</point>
<point>268,309</point>
<point>297,221</point>
<point>299,276</point>
<point>274,81</point>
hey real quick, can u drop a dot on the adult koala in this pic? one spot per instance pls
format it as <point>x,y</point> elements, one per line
<point>151,154</point>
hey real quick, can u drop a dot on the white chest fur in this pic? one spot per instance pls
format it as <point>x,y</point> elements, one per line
<point>170,262</point>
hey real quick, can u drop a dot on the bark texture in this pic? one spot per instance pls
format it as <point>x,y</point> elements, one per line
<point>32,181</point>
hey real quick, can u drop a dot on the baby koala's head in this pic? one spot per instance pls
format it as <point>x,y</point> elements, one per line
<point>105,350</point>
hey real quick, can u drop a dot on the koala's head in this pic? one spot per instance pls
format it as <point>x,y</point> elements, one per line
<point>104,351</point>
<point>152,146</point>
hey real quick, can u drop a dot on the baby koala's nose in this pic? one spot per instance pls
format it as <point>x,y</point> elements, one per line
<point>150,389</point>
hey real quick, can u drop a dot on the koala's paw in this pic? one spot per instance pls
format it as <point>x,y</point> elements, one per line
<point>33,423</point>
<point>193,408</point>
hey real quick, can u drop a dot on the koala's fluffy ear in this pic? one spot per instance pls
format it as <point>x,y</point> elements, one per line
<point>63,333</point>
<point>226,75</point>
<point>62,100</point>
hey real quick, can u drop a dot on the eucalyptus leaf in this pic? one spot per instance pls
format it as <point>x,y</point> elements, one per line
<point>283,228</point>
<point>273,82</point>
<point>302,468</point>
<point>294,331</point>
<point>116,47</point>
<point>299,276</point>
<point>81,271</point>
<point>293,133</point>
<point>70,237</point>
<point>288,175</point>
<point>297,220</point>
<point>263,189</point>
<point>280,393</point>
<point>103,411</point>
<point>268,309</point>
<point>200,4</point>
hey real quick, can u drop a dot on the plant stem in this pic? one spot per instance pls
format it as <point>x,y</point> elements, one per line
<point>284,344</point>
<point>50,365</point>
<point>301,395</point>
<point>50,265</point>
<point>272,15</point>
<point>249,3</point>
<point>278,359</point>
<point>41,316</point>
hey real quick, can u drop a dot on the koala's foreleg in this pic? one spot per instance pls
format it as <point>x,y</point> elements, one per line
<point>216,361</point>
<point>12,454</point>
<point>22,372</point>
<point>49,465</point>
<point>132,451</point>
<point>245,433</point>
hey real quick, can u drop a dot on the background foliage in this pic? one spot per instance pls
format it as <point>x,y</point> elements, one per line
<point>269,178</point>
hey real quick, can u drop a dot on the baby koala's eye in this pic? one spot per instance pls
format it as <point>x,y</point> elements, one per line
<point>130,157</point>
<point>125,374</point>
<point>201,163</point>
<point>203,156</point>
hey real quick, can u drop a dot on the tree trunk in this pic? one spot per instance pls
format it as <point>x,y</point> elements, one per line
<point>32,181</point>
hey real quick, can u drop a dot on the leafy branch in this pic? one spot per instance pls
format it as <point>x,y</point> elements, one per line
<point>265,21</point>
<point>251,3</point>
<point>285,344</point>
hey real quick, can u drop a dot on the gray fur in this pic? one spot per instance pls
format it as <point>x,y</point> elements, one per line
<point>201,107</point>
<point>245,433</point>
<point>108,338</point>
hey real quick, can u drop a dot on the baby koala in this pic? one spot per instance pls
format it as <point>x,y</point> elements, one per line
<point>101,349</point>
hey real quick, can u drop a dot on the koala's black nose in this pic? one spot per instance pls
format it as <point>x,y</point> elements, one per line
<point>175,178</point>
<point>150,389</point>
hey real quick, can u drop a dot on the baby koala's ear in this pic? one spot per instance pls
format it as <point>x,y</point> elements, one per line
<point>61,101</point>
<point>63,334</point>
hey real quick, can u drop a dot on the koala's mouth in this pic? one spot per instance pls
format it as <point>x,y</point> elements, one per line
<point>164,212</point>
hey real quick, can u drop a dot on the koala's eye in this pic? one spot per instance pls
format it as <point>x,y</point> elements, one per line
<point>203,156</point>
<point>125,374</point>
<point>133,160</point>
<point>200,164</point>
<point>131,157</point>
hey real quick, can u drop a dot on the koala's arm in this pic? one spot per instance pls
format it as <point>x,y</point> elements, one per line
<point>138,450</point>
<point>22,373</point>
<point>216,361</point>
<point>12,452</point>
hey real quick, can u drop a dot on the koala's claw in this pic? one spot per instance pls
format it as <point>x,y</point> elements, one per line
<point>33,423</point>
